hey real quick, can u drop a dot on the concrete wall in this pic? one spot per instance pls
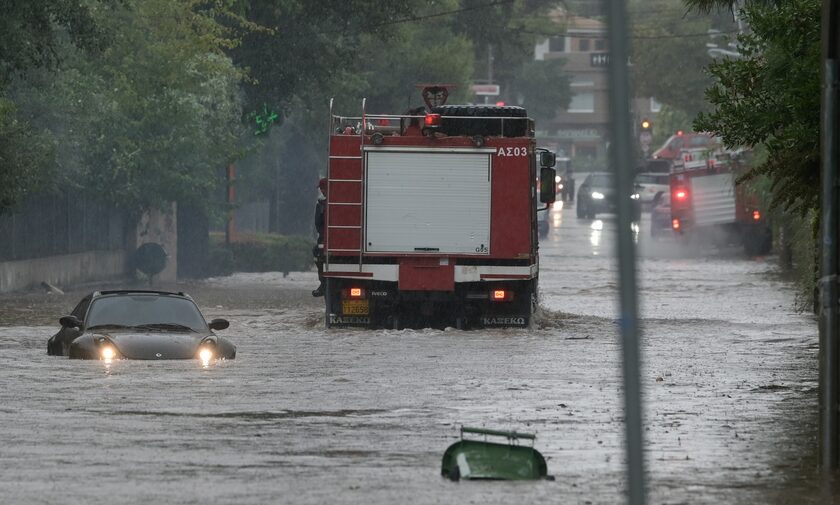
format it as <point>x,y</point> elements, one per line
<point>63,270</point>
<point>162,228</point>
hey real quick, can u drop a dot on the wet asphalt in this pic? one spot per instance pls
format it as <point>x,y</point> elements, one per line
<point>307,415</point>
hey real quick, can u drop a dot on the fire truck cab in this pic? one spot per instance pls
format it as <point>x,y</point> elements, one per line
<point>431,217</point>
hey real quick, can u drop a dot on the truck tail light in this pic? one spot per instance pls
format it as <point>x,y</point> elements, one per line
<point>680,194</point>
<point>501,295</point>
<point>756,215</point>
<point>675,224</point>
<point>353,293</point>
<point>432,120</point>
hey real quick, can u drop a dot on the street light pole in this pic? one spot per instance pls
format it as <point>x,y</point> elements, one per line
<point>829,338</point>
<point>621,155</point>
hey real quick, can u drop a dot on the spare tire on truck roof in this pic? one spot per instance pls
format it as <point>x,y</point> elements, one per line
<point>482,124</point>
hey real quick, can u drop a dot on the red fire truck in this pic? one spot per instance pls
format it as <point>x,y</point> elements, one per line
<point>431,217</point>
<point>706,199</point>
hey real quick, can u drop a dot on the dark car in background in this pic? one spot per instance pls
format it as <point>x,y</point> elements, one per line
<point>137,324</point>
<point>598,195</point>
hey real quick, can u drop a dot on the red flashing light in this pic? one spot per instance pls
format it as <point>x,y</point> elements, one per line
<point>500,104</point>
<point>499,294</point>
<point>756,215</point>
<point>675,224</point>
<point>680,194</point>
<point>680,133</point>
<point>432,120</point>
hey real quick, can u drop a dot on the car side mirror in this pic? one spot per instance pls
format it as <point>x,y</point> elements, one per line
<point>547,159</point>
<point>70,322</point>
<point>548,189</point>
<point>219,324</point>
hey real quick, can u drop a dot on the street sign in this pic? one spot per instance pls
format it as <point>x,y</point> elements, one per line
<point>485,89</point>
<point>599,59</point>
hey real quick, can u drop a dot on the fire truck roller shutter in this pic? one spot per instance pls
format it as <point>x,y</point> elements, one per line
<point>428,202</point>
<point>517,126</point>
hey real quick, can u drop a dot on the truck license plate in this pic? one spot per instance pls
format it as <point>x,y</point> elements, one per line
<point>354,307</point>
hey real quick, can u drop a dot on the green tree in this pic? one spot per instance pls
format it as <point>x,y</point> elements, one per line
<point>544,88</point>
<point>770,97</point>
<point>504,35</point>
<point>669,54</point>
<point>170,114</point>
<point>33,34</point>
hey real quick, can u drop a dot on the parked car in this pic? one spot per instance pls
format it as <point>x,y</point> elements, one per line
<point>650,185</point>
<point>660,216</point>
<point>597,195</point>
<point>136,324</point>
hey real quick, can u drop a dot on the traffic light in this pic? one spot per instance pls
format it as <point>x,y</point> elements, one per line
<point>646,125</point>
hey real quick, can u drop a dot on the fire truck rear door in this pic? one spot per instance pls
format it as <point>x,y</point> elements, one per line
<point>428,201</point>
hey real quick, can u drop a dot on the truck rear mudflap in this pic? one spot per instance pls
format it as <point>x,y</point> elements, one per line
<point>380,304</point>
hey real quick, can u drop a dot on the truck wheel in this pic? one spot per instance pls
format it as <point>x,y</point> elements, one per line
<point>758,241</point>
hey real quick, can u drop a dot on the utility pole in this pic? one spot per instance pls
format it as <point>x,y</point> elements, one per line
<point>829,337</point>
<point>621,156</point>
<point>489,69</point>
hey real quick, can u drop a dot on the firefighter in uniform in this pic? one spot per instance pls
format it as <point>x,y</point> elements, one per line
<point>318,250</point>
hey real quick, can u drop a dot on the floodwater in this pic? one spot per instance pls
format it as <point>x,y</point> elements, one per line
<point>306,415</point>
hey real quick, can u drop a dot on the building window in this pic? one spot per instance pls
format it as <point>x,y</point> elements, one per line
<point>557,44</point>
<point>583,44</point>
<point>582,103</point>
<point>600,44</point>
<point>655,106</point>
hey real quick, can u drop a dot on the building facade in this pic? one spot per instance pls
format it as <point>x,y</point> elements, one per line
<point>581,131</point>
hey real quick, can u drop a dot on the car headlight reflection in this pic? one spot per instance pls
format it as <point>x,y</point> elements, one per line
<point>597,195</point>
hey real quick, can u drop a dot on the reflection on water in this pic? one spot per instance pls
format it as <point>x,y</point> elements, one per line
<point>595,237</point>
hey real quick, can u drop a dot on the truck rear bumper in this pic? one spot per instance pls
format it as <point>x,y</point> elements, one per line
<point>461,273</point>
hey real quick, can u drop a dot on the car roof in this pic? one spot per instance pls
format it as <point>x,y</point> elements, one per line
<point>142,292</point>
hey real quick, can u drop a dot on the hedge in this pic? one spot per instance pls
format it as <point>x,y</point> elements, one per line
<point>260,253</point>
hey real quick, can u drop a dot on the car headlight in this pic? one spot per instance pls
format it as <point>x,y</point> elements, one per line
<point>205,353</point>
<point>557,178</point>
<point>634,196</point>
<point>107,352</point>
<point>597,196</point>
<point>559,186</point>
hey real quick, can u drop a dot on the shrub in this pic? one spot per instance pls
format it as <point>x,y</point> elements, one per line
<point>260,253</point>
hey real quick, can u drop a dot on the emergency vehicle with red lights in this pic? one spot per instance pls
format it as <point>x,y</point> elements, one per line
<point>705,196</point>
<point>431,217</point>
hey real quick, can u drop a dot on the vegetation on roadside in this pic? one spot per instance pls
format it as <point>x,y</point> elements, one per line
<point>259,252</point>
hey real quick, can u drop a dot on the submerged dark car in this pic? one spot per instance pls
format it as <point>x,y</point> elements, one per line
<point>129,324</point>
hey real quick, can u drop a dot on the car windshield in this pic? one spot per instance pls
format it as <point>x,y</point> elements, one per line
<point>601,180</point>
<point>651,179</point>
<point>165,312</point>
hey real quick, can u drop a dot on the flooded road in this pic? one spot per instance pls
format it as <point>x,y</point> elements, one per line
<point>305,415</point>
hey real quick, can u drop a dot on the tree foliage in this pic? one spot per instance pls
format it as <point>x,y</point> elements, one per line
<point>544,88</point>
<point>668,57</point>
<point>771,97</point>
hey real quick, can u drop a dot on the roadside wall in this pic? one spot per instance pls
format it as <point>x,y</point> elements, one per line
<point>64,270</point>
